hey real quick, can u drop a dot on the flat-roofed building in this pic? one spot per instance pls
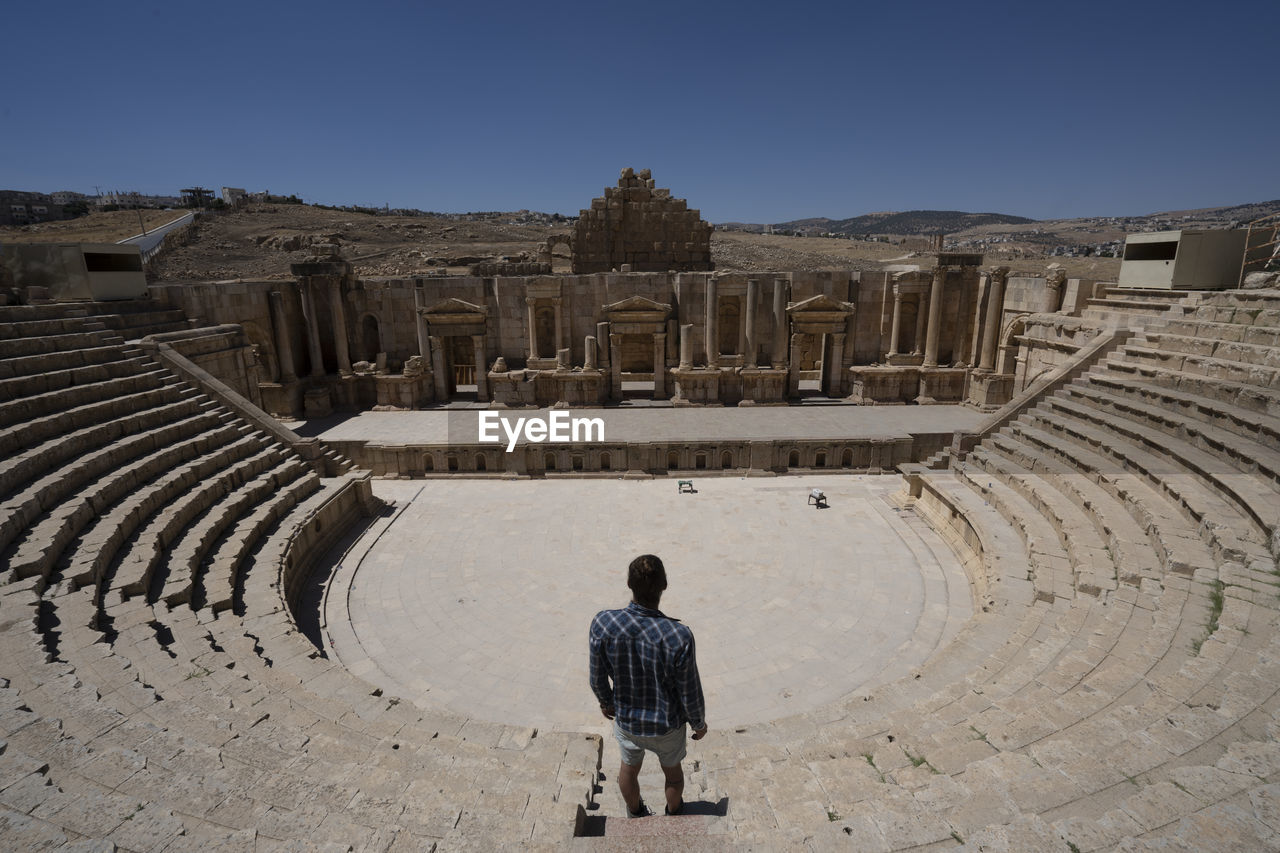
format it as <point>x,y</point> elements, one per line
<point>1183,260</point>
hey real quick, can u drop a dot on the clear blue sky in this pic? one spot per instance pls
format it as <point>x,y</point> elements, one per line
<point>758,112</point>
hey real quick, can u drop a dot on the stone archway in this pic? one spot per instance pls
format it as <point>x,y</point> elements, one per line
<point>1007,358</point>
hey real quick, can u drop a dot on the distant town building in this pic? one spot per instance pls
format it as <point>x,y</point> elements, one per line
<point>233,196</point>
<point>25,208</point>
<point>131,199</point>
<point>65,197</point>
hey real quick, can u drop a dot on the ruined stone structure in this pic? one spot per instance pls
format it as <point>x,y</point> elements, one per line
<point>639,226</point>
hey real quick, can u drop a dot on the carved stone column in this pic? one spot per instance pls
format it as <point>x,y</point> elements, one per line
<point>975,336</point>
<point>710,328</point>
<point>686,346</point>
<point>962,306</point>
<point>533,328</point>
<point>659,365</point>
<point>793,366</point>
<point>340,327</point>
<point>482,369</point>
<point>995,307</point>
<point>779,355</point>
<point>284,349</point>
<point>935,318</point>
<point>602,335</point>
<point>589,353</point>
<point>897,322</point>
<point>615,366</point>
<point>753,296</point>
<point>313,328</point>
<point>921,313</point>
<point>438,368</point>
<point>833,371</point>
<point>1053,283</point>
<point>424,345</point>
<point>559,324</point>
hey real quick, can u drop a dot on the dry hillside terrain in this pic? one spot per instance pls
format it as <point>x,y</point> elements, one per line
<point>109,227</point>
<point>263,240</point>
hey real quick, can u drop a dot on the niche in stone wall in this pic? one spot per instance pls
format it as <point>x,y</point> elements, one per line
<point>370,339</point>
<point>727,321</point>
<point>545,321</point>
<point>637,353</point>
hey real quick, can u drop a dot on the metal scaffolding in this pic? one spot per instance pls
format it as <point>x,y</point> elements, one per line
<point>1261,246</point>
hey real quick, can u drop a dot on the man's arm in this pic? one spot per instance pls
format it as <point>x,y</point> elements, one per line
<point>599,668</point>
<point>689,684</point>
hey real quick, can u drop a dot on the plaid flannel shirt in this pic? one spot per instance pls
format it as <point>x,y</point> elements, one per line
<point>649,658</point>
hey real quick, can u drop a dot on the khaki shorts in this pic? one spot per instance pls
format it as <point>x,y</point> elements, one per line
<point>670,747</point>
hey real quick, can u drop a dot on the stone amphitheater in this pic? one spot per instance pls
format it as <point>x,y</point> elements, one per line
<point>1117,686</point>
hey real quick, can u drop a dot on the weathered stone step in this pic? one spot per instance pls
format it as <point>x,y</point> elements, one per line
<point>1226,415</point>
<point>1198,327</point>
<point>1176,542</point>
<point>57,380</point>
<point>46,539</point>
<point>20,346</point>
<point>1242,395</point>
<point>1245,454</point>
<point>1253,498</point>
<point>17,367</point>
<point>48,443</point>
<point>59,485</point>
<point>17,412</point>
<point>98,546</point>
<point>222,567</point>
<point>150,547</point>
<point>1051,569</point>
<point>1090,537</point>
<point>187,551</point>
<point>62,427</point>
<point>1239,352</point>
<point>1214,368</point>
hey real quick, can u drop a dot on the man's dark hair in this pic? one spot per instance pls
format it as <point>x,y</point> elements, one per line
<point>647,578</point>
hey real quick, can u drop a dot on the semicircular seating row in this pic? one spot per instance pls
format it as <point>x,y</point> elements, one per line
<point>1119,687</point>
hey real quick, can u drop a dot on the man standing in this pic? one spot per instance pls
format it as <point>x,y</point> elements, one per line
<point>649,658</point>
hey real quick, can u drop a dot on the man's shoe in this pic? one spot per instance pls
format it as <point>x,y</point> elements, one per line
<point>641,811</point>
<point>679,810</point>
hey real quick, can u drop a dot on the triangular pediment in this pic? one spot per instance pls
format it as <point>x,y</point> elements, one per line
<point>633,304</point>
<point>820,303</point>
<point>454,306</point>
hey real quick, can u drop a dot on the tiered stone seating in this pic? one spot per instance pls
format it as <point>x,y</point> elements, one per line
<point>156,690</point>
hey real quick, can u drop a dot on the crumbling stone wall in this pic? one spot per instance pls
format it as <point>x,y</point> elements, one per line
<point>638,224</point>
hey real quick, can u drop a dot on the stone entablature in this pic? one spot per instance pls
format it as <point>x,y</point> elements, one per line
<point>640,227</point>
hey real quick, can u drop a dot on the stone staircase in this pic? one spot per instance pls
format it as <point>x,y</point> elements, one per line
<point>156,693</point>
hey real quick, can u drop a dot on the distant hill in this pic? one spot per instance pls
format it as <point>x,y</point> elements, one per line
<point>907,222</point>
